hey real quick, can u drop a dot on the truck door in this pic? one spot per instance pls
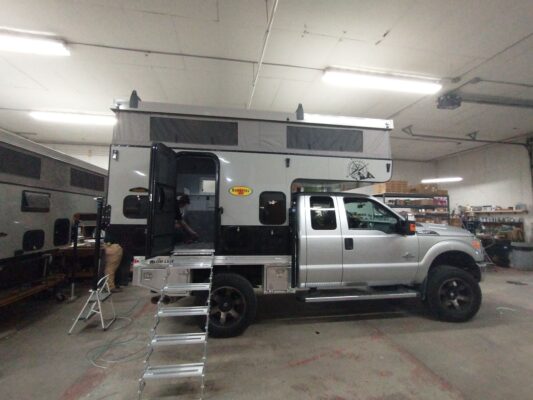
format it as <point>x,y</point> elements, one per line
<point>373,252</point>
<point>323,242</point>
<point>161,201</point>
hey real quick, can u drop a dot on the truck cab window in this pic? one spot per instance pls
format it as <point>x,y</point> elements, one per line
<point>322,213</point>
<point>272,208</point>
<point>362,213</point>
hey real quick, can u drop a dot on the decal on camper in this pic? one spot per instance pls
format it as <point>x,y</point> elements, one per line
<point>241,191</point>
<point>358,170</point>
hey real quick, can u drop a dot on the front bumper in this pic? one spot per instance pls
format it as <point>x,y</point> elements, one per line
<point>482,269</point>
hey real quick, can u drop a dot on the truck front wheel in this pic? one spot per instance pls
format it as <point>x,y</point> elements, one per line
<point>453,294</point>
<point>233,305</point>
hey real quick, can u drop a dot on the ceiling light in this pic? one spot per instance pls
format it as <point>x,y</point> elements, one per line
<point>32,44</point>
<point>72,118</point>
<point>442,180</point>
<point>348,121</point>
<point>377,81</point>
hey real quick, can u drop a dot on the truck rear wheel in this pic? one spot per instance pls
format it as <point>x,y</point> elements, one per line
<point>233,305</point>
<point>453,294</point>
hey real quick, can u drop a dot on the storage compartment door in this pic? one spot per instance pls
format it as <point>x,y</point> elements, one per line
<point>162,201</point>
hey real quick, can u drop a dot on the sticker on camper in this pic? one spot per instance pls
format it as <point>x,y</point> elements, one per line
<point>240,191</point>
<point>358,170</point>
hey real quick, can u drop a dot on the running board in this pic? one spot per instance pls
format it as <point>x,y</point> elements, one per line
<point>321,297</point>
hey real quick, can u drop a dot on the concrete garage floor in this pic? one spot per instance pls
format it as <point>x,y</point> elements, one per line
<point>372,350</point>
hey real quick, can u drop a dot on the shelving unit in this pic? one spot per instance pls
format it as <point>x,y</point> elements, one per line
<point>437,212</point>
<point>496,223</point>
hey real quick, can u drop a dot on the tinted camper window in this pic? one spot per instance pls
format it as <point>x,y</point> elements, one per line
<point>61,232</point>
<point>33,240</point>
<point>86,180</point>
<point>135,206</point>
<point>35,201</point>
<point>193,131</point>
<point>324,139</point>
<point>21,164</point>
<point>272,208</point>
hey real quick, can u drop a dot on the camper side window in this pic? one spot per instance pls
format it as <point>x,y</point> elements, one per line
<point>135,206</point>
<point>272,209</point>
<point>61,231</point>
<point>323,215</point>
<point>35,201</point>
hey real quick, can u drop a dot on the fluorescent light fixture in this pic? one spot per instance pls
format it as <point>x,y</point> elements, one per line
<point>348,121</point>
<point>379,81</point>
<point>74,118</point>
<point>442,180</point>
<point>32,44</point>
<point>139,173</point>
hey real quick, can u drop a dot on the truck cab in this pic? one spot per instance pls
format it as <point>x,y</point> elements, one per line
<point>347,239</point>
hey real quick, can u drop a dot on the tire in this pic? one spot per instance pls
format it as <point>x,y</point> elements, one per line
<point>233,305</point>
<point>453,294</point>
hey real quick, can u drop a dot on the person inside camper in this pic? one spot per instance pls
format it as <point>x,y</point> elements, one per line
<point>184,233</point>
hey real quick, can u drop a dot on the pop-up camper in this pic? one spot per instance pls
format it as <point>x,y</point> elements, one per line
<point>238,169</point>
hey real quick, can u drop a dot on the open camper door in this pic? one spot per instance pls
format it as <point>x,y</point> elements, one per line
<point>162,201</point>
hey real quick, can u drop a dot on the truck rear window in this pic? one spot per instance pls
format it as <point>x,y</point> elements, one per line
<point>323,215</point>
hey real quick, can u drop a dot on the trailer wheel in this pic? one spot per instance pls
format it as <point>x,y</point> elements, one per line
<point>60,296</point>
<point>453,294</point>
<point>233,305</point>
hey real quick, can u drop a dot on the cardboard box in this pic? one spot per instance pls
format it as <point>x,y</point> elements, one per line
<point>391,187</point>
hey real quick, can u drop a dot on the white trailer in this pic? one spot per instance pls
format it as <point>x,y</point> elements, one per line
<point>40,192</point>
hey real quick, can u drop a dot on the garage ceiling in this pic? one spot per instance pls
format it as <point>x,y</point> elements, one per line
<point>206,53</point>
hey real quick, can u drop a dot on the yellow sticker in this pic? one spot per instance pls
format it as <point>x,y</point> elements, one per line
<point>240,191</point>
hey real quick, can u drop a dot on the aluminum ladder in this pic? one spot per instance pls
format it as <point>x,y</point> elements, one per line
<point>185,261</point>
<point>93,305</point>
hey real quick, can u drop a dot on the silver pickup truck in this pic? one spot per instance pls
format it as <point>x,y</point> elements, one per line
<point>344,247</point>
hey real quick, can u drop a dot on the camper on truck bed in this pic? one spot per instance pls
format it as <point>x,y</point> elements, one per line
<point>243,173</point>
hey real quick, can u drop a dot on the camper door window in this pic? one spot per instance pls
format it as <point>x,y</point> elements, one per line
<point>272,208</point>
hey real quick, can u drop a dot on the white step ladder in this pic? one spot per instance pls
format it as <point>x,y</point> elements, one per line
<point>93,305</point>
<point>202,259</point>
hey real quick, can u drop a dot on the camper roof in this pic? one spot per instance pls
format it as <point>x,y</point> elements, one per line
<point>257,115</point>
<point>190,127</point>
<point>17,141</point>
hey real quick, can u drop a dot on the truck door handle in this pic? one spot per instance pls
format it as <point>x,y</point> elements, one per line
<point>348,244</point>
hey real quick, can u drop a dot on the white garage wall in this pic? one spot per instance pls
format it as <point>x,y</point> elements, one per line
<point>493,175</point>
<point>97,155</point>
<point>410,171</point>
<point>413,171</point>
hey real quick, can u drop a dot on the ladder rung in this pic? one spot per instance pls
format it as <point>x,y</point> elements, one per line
<point>182,311</point>
<point>174,371</point>
<point>178,339</point>
<point>185,287</point>
<point>102,296</point>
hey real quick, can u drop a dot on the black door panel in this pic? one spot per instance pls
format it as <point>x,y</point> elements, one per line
<point>162,201</point>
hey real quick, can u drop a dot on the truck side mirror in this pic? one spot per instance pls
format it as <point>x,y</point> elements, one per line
<point>407,228</point>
